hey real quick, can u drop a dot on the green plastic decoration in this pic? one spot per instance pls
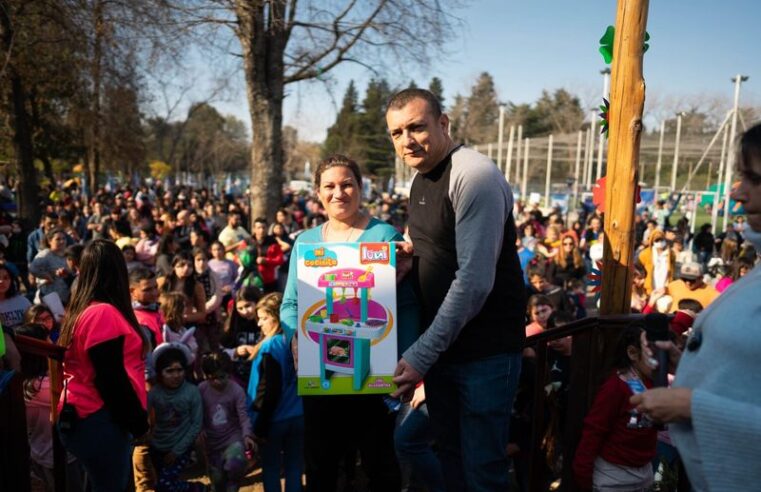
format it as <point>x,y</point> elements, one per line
<point>2,342</point>
<point>605,111</point>
<point>606,42</point>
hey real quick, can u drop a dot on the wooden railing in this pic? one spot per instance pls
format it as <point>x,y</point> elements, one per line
<point>593,341</point>
<point>54,353</point>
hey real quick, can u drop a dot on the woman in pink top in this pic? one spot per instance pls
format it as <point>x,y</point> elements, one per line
<point>104,401</point>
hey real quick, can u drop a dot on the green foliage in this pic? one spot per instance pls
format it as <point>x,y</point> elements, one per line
<point>205,141</point>
<point>473,119</point>
<point>360,132</point>
<point>437,88</point>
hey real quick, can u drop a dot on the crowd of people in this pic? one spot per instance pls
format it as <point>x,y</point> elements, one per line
<point>180,324</point>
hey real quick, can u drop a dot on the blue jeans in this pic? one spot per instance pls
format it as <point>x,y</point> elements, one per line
<point>412,439</point>
<point>286,437</point>
<point>103,449</point>
<point>469,404</point>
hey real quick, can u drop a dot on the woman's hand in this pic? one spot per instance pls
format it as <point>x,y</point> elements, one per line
<point>404,252</point>
<point>418,397</point>
<point>664,405</point>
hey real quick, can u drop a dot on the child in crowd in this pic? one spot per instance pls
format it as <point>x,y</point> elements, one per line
<point>173,330</point>
<point>144,294</point>
<point>538,310</point>
<point>34,369</point>
<point>182,279</point>
<point>241,331</point>
<point>40,314</point>
<point>226,424</point>
<point>73,254</point>
<point>130,257</point>
<point>175,408</point>
<point>226,270</point>
<point>275,409</point>
<point>618,444</point>
<point>207,333</point>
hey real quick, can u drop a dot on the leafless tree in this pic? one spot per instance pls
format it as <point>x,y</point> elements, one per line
<point>288,41</point>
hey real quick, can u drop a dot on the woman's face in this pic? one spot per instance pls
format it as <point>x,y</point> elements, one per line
<point>268,323</point>
<point>5,282</point>
<point>277,230</point>
<point>58,242</point>
<point>742,271</point>
<point>246,309</point>
<point>339,192</point>
<point>568,245</point>
<point>183,269</point>
<point>748,192</point>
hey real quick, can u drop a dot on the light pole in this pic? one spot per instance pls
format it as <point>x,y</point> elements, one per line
<point>676,149</point>
<point>738,79</point>
<point>501,134</point>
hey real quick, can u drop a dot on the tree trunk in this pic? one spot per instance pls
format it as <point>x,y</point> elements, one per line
<point>263,42</point>
<point>28,189</point>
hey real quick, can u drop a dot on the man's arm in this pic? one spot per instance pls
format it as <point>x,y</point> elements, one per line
<point>481,205</point>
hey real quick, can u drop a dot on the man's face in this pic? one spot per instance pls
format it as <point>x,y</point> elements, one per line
<point>233,220</point>
<point>260,230</point>
<point>145,292</point>
<point>48,224</point>
<point>420,139</point>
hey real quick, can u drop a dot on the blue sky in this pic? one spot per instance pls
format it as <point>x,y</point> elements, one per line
<point>696,46</point>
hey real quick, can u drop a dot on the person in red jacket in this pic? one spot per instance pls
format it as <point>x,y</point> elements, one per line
<point>618,444</point>
<point>269,256</point>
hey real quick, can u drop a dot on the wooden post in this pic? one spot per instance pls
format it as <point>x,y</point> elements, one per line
<point>625,129</point>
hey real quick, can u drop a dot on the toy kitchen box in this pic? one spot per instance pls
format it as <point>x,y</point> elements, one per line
<point>347,318</point>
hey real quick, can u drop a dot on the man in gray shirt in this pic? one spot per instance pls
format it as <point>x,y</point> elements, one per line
<point>471,290</point>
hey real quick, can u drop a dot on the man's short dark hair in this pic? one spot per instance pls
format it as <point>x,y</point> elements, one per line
<point>260,220</point>
<point>404,97</point>
<point>139,274</point>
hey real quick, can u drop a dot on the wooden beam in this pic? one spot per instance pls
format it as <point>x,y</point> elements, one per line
<point>627,100</point>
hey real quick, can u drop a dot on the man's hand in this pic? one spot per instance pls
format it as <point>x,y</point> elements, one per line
<point>406,378</point>
<point>404,252</point>
<point>664,405</point>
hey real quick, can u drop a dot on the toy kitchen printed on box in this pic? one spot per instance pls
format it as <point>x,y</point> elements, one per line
<point>347,318</point>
